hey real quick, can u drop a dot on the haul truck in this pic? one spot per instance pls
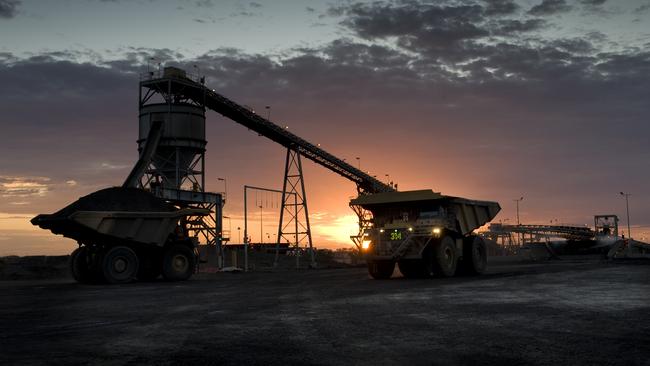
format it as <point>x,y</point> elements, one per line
<point>425,233</point>
<point>125,233</point>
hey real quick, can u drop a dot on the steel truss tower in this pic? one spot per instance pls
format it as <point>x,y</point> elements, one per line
<point>294,217</point>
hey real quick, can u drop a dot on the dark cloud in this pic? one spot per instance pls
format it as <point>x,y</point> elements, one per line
<point>500,7</point>
<point>514,26</point>
<point>204,3</point>
<point>593,2</point>
<point>549,7</point>
<point>575,46</point>
<point>9,8</point>
<point>439,24</point>
<point>643,8</point>
<point>254,5</point>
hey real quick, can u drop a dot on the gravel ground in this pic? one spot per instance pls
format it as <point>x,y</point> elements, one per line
<point>578,311</point>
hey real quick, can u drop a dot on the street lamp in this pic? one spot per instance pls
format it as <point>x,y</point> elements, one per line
<point>261,226</point>
<point>517,201</point>
<point>238,234</point>
<point>225,189</point>
<point>229,226</point>
<point>627,207</point>
<point>268,112</point>
<point>358,162</point>
<point>149,61</point>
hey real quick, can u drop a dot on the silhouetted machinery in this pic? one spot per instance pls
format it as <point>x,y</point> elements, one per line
<point>152,224</point>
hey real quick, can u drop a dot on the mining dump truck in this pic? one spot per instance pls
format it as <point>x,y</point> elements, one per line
<point>123,234</point>
<point>426,233</point>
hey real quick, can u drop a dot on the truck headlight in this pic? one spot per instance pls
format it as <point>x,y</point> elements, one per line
<point>365,244</point>
<point>436,231</point>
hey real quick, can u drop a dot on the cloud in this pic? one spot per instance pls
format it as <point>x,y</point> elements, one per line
<point>593,2</point>
<point>21,187</point>
<point>9,8</point>
<point>500,7</point>
<point>509,27</point>
<point>549,7</point>
<point>110,166</point>
<point>204,3</point>
<point>643,8</point>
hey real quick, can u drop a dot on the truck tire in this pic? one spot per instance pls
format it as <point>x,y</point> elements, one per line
<point>150,265</point>
<point>474,256</point>
<point>80,266</point>
<point>414,268</point>
<point>445,258</point>
<point>178,263</point>
<point>119,265</point>
<point>381,270</point>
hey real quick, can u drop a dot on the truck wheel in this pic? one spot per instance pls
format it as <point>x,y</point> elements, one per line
<point>381,270</point>
<point>150,265</point>
<point>80,267</point>
<point>178,263</point>
<point>474,256</point>
<point>120,265</point>
<point>413,268</point>
<point>445,258</point>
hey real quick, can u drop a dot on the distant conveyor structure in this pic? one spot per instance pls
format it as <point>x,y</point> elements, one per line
<point>568,232</point>
<point>199,93</point>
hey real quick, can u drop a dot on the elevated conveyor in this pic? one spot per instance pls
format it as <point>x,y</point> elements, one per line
<point>197,92</point>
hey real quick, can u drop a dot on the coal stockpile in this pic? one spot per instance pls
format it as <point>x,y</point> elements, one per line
<point>117,199</point>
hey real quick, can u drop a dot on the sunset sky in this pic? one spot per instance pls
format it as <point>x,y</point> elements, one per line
<point>493,99</point>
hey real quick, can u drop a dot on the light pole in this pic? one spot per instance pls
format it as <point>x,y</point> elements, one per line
<point>229,227</point>
<point>238,235</point>
<point>261,226</point>
<point>149,61</point>
<point>225,189</point>
<point>358,162</point>
<point>627,207</point>
<point>517,201</point>
<point>268,112</point>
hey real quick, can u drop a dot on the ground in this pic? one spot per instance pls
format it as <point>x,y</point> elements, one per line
<point>578,311</point>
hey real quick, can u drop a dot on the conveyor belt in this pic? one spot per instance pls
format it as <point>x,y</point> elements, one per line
<point>199,93</point>
<point>558,231</point>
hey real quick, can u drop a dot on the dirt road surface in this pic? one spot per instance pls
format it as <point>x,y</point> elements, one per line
<point>575,311</point>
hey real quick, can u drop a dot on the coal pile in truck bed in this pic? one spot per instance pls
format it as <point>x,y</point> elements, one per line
<point>117,199</point>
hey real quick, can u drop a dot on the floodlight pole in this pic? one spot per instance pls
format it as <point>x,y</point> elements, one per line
<point>627,208</point>
<point>517,201</point>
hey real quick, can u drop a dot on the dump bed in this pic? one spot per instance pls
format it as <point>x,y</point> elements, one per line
<point>116,214</point>
<point>471,214</point>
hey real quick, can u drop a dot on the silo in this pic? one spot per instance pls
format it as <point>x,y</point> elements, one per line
<point>182,144</point>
